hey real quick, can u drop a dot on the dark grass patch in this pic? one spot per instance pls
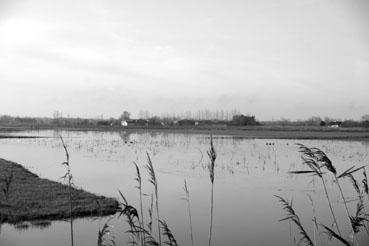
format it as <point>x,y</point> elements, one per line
<point>19,137</point>
<point>31,198</point>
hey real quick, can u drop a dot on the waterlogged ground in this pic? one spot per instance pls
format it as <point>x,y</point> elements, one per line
<point>248,173</point>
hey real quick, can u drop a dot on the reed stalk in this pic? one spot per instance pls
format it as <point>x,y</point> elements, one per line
<point>330,207</point>
<point>348,173</point>
<point>68,175</point>
<point>153,180</point>
<point>315,221</point>
<point>346,208</point>
<point>139,187</point>
<point>365,182</point>
<point>311,157</point>
<point>212,156</point>
<point>149,225</point>
<point>189,210</point>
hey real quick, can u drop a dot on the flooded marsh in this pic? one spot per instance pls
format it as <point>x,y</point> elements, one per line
<point>247,175</point>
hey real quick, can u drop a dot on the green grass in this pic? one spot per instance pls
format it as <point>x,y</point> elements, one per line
<point>32,198</point>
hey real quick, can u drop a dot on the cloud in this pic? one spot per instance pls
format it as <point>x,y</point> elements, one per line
<point>275,59</point>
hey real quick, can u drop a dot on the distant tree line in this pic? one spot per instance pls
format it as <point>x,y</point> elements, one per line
<point>318,121</point>
<point>205,114</point>
<point>202,117</point>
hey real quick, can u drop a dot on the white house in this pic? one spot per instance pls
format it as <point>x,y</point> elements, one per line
<point>124,123</point>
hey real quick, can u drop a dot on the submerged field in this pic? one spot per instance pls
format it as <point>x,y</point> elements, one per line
<point>248,173</point>
<point>253,132</point>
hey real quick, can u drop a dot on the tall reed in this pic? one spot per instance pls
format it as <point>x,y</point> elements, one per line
<point>153,180</point>
<point>348,173</point>
<point>139,187</point>
<point>310,160</point>
<point>365,183</point>
<point>327,163</point>
<point>189,209</point>
<point>358,220</point>
<point>68,176</point>
<point>132,218</point>
<point>212,156</point>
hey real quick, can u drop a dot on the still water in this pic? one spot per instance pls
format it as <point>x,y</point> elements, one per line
<point>248,173</point>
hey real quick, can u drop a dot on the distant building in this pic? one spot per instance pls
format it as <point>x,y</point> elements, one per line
<point>123,123</point>
<point>335,124</point>
<point>186,122</point>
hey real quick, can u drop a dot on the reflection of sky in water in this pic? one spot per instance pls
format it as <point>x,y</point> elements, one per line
<point>248,173</point>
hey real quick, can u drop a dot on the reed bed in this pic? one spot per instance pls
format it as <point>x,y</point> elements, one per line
<point>319,165</point>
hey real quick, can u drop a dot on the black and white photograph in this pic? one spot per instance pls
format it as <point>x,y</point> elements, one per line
<point>184,122</point>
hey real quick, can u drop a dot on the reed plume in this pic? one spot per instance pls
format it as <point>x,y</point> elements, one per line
<point>103,233</point>
<point>212,156</point>
<point>134,223</point>
<point>331,234</point>
<point>311,158</point>
<point>132,218</point>
<point>291,215</point>
<point>357,221</point>
<point>168,233</point>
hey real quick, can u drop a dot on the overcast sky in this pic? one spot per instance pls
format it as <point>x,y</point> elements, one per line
<point>271,58</point>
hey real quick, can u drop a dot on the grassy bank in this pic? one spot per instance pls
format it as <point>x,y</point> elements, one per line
<point>32,198</point>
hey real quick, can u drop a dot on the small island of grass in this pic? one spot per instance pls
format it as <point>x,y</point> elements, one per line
<point>26,197</point>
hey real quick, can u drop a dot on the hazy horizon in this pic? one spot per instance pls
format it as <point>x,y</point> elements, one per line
<point>272,59</point>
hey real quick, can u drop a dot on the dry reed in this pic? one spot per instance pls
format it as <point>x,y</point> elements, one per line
<point>212,156</point>
<point>69,177</point>
<point>153,180</point>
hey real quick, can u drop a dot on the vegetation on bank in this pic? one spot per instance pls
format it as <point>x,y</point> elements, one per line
<point>201,119</point>
<point>257,132</point>
<point>26,197</point>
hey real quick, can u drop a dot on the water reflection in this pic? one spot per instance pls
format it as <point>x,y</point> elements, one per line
<point>22,226</point>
